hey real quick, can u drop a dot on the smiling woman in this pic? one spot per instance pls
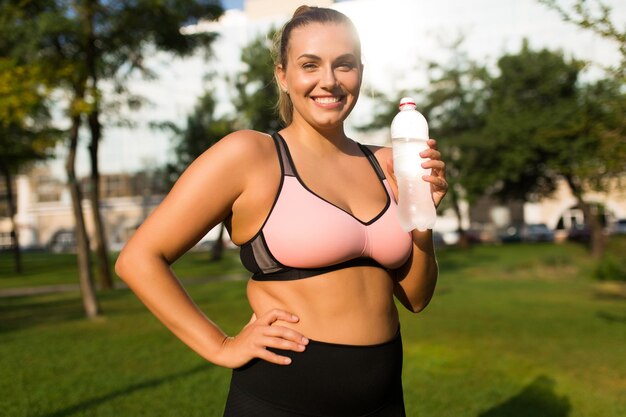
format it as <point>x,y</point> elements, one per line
<point>321,74</point>
<point>314,213</point>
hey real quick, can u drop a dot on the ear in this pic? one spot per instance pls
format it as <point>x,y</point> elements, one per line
<point>281,77</point>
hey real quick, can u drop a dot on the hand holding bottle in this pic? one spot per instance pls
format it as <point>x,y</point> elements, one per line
<point>413,161</point>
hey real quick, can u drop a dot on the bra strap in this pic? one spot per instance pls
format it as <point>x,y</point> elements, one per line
<point>373,161</point>
<point>285,163</point>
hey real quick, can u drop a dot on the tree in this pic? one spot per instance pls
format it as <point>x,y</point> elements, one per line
<point>543,126</point>
<point>118,38</point>
<point>99,40</point>
<point>455,106</point>
<point>25,132</point>
<point>603,103</point>
<point>256,91</point>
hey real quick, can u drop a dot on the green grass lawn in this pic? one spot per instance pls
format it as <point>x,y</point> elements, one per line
<point>512,331</point>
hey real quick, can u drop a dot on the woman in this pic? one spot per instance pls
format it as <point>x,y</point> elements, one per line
<point>315,216</point>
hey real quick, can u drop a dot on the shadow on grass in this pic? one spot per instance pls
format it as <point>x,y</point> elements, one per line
<point>453,259</point>
<point>18,313</point>
<point>22,312</point>
<point>537,399</point>
<point>611,318</point>
<point>94,402</point>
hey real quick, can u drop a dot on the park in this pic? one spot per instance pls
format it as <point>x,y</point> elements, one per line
<point>528,317</point>
<point>513,330</point>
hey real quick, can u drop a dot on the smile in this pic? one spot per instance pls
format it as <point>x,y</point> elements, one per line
<point>328,100</point>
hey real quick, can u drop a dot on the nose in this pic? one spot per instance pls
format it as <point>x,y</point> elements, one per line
<point>328,80</point>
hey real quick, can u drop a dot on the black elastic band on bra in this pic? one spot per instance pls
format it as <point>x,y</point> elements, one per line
<point>373,161</point>
<point>291,274</point>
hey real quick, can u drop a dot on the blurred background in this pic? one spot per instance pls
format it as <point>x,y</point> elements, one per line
<point>104,103</point>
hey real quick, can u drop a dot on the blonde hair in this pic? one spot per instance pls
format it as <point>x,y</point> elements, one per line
<point>304,15</point>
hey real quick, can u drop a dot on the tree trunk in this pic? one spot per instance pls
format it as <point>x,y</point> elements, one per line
<point>463,239</point>
<point>102,256</point>
<point>104,270</point>
<point>90,302</point>
<point>15,241</point>
<point>597,240</point>
<point>218,247</point>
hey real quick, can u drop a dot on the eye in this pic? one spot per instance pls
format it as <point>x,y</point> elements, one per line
<point>309,66</point>
<point>346,66</point>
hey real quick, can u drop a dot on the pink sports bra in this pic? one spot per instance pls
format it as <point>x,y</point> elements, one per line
<point>305,235</point>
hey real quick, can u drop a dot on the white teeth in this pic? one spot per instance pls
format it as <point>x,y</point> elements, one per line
<point>326,100</point>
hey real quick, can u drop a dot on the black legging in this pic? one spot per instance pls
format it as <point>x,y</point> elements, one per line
<point>326,380</point>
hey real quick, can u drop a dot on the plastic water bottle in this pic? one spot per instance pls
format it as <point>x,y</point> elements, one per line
<point>409,133</point>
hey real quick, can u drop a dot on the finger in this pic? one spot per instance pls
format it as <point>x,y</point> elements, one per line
<point>434,164</point>
<point>276,314</point>
<point>431,153</point>
<point>436,181</point>
<point>279,343</point>
<point>287,334</point>
<point>432,143</point>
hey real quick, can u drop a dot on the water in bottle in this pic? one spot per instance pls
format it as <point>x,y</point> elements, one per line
<point>409,133</point>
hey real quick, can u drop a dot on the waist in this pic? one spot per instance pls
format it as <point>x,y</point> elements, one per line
<point>328,379</point>
<point>353,306</point>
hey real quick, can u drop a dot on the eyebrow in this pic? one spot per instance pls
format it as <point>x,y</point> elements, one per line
<point>340,57</point>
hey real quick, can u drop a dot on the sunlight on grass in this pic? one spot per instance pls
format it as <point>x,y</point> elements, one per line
<point>512,331</point>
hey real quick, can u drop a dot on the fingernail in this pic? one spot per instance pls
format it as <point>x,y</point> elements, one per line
<point>294,317</point>
<point>305,340</point>
<point>287,361</point>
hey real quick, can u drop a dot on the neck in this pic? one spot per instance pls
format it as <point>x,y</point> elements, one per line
<point>318,141</point>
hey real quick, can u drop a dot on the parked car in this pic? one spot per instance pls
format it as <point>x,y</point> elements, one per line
<point>579,233</point>
<point>619,227</point>
<point>537,232</point>
<point>63,240</point>
<point>511,234</point>
<point>438,240</point>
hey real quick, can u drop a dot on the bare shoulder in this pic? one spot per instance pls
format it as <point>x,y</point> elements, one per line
<point>242,146</point>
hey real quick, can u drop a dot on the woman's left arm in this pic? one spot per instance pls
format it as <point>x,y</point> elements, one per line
<point>415,280</point>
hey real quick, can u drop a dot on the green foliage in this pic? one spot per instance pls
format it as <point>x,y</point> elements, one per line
<point>254,104</point>
<point>201,131</point>
<point>80,43</point>
<point>454,104</point>
<point>533,118</point>
<point>256,91</point>
<point>26,134</point>
<point>612,266</point>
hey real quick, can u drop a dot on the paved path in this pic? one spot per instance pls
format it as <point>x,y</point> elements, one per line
<point>51,289</point>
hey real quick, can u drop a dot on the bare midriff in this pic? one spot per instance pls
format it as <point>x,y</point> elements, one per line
<point>352,306</point>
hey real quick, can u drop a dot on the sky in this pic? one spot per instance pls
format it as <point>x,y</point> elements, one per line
<point>232,4</point>
<point>397,38</point>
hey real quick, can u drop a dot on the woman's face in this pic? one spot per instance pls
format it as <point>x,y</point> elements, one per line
<point>323,74</point>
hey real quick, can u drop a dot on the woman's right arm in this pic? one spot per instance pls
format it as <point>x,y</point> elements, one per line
<point>201,198</point>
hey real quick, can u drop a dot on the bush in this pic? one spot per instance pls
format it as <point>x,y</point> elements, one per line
<point>610,268</point>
